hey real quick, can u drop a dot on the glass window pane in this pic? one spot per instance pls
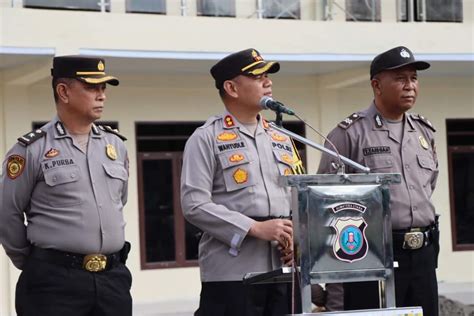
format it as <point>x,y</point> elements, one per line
<point>216,8</point>
<point>440,10</point>
<point>363,10</point>
<point>281,9</point>
<point>463,184</point>
<point>146,6</point>
<point>87,5</point>
<point>159,210</point>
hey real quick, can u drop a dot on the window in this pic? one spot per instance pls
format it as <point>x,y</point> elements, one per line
<point>85,5</point>
<point>216,8</point>
<point>363,10</point>
<point>146,6</point>
<point>166,238</point>
<point>281,9</point>
<point>430,10</point>
<point>460,134</point>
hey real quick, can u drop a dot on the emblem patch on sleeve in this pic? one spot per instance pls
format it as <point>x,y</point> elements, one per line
<point>15,166</point>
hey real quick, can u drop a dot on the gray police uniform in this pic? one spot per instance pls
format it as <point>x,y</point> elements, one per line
<point>367,138</point>
<point>73,200</point>
<point>228,177</point>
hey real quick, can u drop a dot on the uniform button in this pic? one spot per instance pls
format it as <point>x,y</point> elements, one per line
<point>54,179</point>
<point>411,187</point>
<point>73,175</point>
<point>415,208</point>
<point>407,166</point>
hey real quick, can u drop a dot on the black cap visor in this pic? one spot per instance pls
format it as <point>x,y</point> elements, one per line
<point>99,79</point>
<point>418,65</point>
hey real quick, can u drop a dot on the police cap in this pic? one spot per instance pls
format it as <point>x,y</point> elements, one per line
<point>84,68</point>
<point>246,62</point>
<point>395,58</point>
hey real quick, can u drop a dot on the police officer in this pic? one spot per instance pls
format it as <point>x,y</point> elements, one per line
<point>230,190</point>
<point>68,179</point>
<point>387,138</point>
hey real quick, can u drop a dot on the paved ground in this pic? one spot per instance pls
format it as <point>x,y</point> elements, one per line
<point>456,299</point>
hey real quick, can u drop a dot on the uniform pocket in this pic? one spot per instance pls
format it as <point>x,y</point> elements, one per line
<point>236,169</point>
<point>63,183</point>
<point>285,162</point>
<point>379,163</point>
<point>116,177</point>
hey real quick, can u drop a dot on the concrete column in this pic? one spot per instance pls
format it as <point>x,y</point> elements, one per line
<point>246,9</point>
<point>388,11</point>
<point>118,6</point>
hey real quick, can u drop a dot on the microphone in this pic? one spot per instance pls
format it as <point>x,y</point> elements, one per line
<point>268,103</point>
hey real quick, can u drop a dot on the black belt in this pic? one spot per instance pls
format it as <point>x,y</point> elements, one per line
<point>91,262</point>
<point>413,238</point>
<point>267,218</point>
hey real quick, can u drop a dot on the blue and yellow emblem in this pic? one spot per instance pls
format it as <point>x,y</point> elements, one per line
<point>350,244</point>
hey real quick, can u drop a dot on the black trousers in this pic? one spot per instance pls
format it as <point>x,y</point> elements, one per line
<point>50,289</point>
<point>237,299</point>
<point>415,283</point>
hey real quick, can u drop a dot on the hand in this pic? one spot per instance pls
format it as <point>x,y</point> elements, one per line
<point>280,230</point>
<point>287,254</point>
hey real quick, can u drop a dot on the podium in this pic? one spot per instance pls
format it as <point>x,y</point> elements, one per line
<point>342,232</point>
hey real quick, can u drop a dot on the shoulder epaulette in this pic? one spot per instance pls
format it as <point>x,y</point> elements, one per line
<point>348,121</point>
<point>423,120</point>
<point>31,137</point>
<point>210,121</point>
<point>109,129</point>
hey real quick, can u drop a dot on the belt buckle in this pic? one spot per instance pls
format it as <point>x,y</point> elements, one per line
<point>413,240</point>
<point>94,262</point>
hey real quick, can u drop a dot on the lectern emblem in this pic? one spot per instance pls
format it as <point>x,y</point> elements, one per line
<point>350,243</point>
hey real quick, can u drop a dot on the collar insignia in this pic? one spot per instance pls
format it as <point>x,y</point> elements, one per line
<point>229,121</point>
<point>378,121</point>
<point>60,128</point>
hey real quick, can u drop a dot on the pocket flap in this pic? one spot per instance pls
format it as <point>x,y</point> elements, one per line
<point>116,170</point>
<point>379,162</point>
<point>283,157</point>
<point>426,162</point>
<point>62,175</point>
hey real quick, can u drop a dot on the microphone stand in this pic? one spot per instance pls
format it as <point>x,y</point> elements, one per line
<point>278,126</point>
<point>279,119</point>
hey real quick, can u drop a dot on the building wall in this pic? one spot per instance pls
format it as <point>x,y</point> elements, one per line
<point>144,95</point>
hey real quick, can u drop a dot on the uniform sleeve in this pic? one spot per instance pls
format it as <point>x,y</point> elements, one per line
<point>15,195</point>
<point>199,166</point>
<point>125,185</point>
<point>341,140</point>
<point>435,159</point>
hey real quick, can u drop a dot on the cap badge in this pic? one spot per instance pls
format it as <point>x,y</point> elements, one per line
<point>236,158</point>
<point>228,121</point>
<point>52,153</point>
<point>15,166</point>
<point>256,56</point>
<point>240,176</point>
<point>423,142</point>
<point>404,53</point>
<point>278,137</point>
<point>100,66</point>
<point>110,151</point>
<point>226,136</point>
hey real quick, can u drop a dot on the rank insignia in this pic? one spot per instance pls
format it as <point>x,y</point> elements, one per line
<point>278,137</point>
<point>350,243</point>
<point>15,166</point>
<point>240,176</point>
<point>236,158</point>
<point>287,172</point>
<point>227,136</point>
<point>110,151</point>
<point>52,153</point>
<point>286,158</point>
<point>423,142</point>
<point>228,121</point>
